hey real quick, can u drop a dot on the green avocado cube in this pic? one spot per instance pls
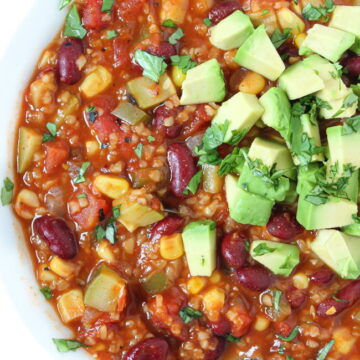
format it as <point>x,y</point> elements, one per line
<point>200,247</point>
<point>245,207</point>
<point>241,112</point>
<point>352,229</point>
<point>203,83</point>
<point>322,67</point>
<point>279,258</point>
<point>340,108</point>
<point>231,32</point>
<point>326,41</point>
<point>339,251</point>
<point>259,54</point>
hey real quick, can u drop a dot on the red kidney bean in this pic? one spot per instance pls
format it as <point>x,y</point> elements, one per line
<point>163,112</point>
<point>254,278</point>
<point>58,236</point>
<point>288,48</point>
<point>233,249</point>
<point>284,226</point>
<point>163,49</point>
<point>149,349</point>
<point>345,298</point>
<point>217,352</point>
<point>167,226</point>
<point>296,298</point>
<point>182,168</point>
<point>322,276</point>
<point>69,53</point>
<point>222,10</point>
<point>353,65</point>
<point>220,327</point>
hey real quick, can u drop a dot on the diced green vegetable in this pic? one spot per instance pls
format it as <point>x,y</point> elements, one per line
<point>29,143</point>
<point>155,282</point>
<point>130,113</point>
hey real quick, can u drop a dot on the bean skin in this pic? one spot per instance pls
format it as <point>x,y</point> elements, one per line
<point>254,278</point>
<point>284,226</point>
<point>233,249</point>
<point>222,10</point>
<point>296,298</point>
<point>160,114</point>
<point>60,239</point>
<point>167,226</point>
<point>353,65</point>
<point>182,168</point>
<point>322,276</point>
<point>220,327</point>
<point>163,49</point>
<point>149,349</point>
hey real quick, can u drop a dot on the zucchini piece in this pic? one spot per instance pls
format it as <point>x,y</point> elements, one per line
<point>156,282</point>
<point>130,113</point>
<point>106,290</point>
<point>29,143</point>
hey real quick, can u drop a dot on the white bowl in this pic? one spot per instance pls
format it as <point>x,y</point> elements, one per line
<point>39,27</point>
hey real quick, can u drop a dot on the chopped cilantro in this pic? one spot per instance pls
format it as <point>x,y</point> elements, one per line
<point>64,345</point>
<point>265,12</point>
<point>277,298</point>
<point>81,178</point>
<point>169,23</point>
<point>337,73</point>
<point>110,231</point>
<point>51,135</point>
<point>81,196</point>
<point>73,25</point>
<point>313,13</point>
<point>207,156</point>
<point>107,5</point>
<point>214,135</point>
<point>232,338</point>
<point>262,249</point>
<point>337,299</point>
<point>90,108</point>
<point>207,22</point>
<point>285,56</point>
<point>99,233</point>
<point>351,125</point>
<point>349,101</point>
<point>292,335</point>
<point>154,66</point>
<point>47,292</point>
<point>7,192</point>
<point>231,163</point>
<point>116,211</point>
<point>64,4</point>
<point>112,34</point>
<point>279,37</point>
<point>288,357</point>
<point>138,150</point>
<point>194,183</point>
<point>150,139</point>
<point>316,199</point>
<point>322,354</point>
<point>176,36</point>
<point>184,62</point>
<point>189,314</point>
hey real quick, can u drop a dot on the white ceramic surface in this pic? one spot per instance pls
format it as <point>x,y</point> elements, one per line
<point>16,273</point>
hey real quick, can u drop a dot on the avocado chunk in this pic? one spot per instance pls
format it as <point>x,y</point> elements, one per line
<point>203,83</point>
<point>272,153</point>
<point>344,149</point>
<point>28,144</point>
<point>279,258</point>
<point>277,111</point>
<point>298,81</point>
<point>200,247</point>
<point>307,177</point>
<point>231,32</point>
<point>326,41</point>
<point>346,18</point>
<point>352,229</point>
<point>320,66</point>
<point>105,289</point>
<point>341,108</point>
<point>245,207</point>
<point>259,54</point>
<point>291,195</point>
<point>339,251</point>
<point>241,112</point>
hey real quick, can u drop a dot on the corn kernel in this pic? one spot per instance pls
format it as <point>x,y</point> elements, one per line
<point>196,284</point>
<point>111,186</point>
<point>92,147</point>
<point>289,20</point>
<point>45,274</point>
<point>171,247</point>
<point>300,281</point>
<point>299,38</point>
<point>96,82</point>
<point>261,323</point>
<point>64,269</point>
<point>26,203</point>
<point>177,75</point>
<point>214,299</point>
<point>71,305</point>
<point>344,341</point>
<point>104,251</point>
<point>215,277</point>
<point>252,83</point>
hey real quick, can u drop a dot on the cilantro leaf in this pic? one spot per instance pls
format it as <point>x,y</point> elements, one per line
<point>279,37</point>
<point>110,231</point>
<point>189,314</point>
<point>51,135</point>
<point>322,354</point>
<point>231,163</point>
<point>64,345</point>
<point>262,249</point>
<point>207,156</point>
<point>138,150</point>
<point>107,5</point>
<point>207,22</point>
<point>64,4</point>
<point>277,298</point>
<point>349,101</point>
<point>154,66</point>
<point>316,199</point>
<point>265,12</point>
<point>81,178</point>
<point>292,335</point>
<point>47,292</point>
<point>81,196</point>
<point>112,34</point>
<point>176,36</point>
<point>99,233</point>
<point>232,338</point>
<point>351,125</point>
<point>313,13</point>
<point>214,135</point>
<point>194,183</point>
<point>7,192</point>
<point>150,139</point>
<point>169,23</point>
<point>288,357</point>
<point>73,25</point>
<point>116,211</point>
<point>184,62</point>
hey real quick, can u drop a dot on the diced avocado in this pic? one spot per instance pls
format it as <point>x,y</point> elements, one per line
<point>307,178</point>
<point>280,258</point>
<point>105,289</point>
<point>326,41</point>
<point>271,153</point>
<point>277,111</point>
<point>134,215</point>
<point>255,184</point>
<point>298,81</point>
<point>241,111</point>
<point>204,83</point>
<point>352,229</point>
<point>28,144</point>
<point>339,251</point>
<point>148,93</point>
<point>334,89</point>
<point>336,212</point>
<point>245,207</point>
<point>130,113</point>
<point>340,108</point>
<point>344,149</point>
<point>352,189</point>
<point>291,195</point>
<point>259,54</point>
<point>304,131</point>
<point>231,32</point>
<point>200,247</point>
<point>346,18</point>
<point>320,66</point>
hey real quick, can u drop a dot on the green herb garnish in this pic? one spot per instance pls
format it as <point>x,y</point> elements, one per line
<point>265,12</point>
<point>231,163</point>
<point>207,22</point>
<point>232,338</point>
<point>64,345</point>
<point>176,36</point>
<point>169,23</point>
<point>116,211</point>
<point>154,66</point>
<point>184,62</point>
<point>51,135</point>
<point>138,150</point>
<point>107,5</point>
<point>73,25</point>
<point>279,37</point>
<point>313,13</point>
<point>150,139</point>
<point>112,34</point>
<point>47,292</point>
<point>64,4</point>
<point>194,183</point>
<point>277,297</point>
<point>189,314</point>
<point>349,101</point>
<point>262,249</point>
<point>81,178</point>
<point>292,335</point>
<point>7,192</point>
<point>322,354</point>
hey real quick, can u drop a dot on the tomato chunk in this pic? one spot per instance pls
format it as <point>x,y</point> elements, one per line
<point>57,152</point>
<point>93,18</point>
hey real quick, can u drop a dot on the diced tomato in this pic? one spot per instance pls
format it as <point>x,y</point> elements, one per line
<point>57,152</point>
<point>88,217</point>
<point>105,125</point>
<point>104,102</point>
<point>121,52</point>
<point>282,328</point>
<point>93,18</point>
<point>240,325</point>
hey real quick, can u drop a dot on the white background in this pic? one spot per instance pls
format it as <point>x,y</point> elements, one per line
<point>16,341</point>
